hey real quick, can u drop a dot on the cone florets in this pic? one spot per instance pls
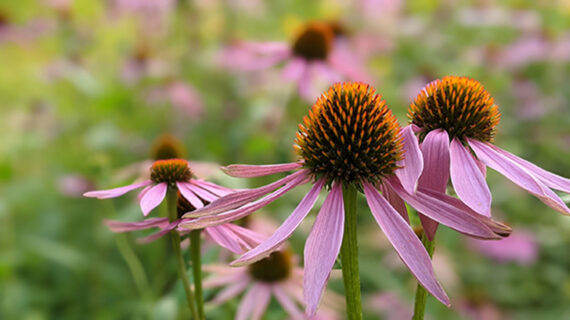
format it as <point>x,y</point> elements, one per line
<point>314,42</point>
<point>458,105</point>
<point>350,135</point>
<point>170,171</point>
<point>274,268</point>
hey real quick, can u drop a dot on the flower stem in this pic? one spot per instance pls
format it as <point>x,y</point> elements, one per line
<point>175,237</point>
<point>421,293</point>
<point>349,256</point>
<point>197,270</point>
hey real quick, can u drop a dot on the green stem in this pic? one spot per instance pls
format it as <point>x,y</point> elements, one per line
<point>197,270</point>
<point>421,293</point>
<point>349,256</point>
<point>175,237</point>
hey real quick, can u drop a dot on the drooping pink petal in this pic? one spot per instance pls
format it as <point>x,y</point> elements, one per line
<point>322,248</point>
<point>116,192</point>
<point>445,210</point>
<point>263,296</point>
<point>287,303</point>
<point>120,226</point>
<point>250,171</point>
<point>232,290</point>
<point>413,163</point>
<point>285,230</point>
<point>220,191</point>
<point>518,174</point>
<point>349,64</point>
<point>249,302</point>
<point>241,212</point>
<point>407,244</point>
<point>159,234</point>
<point>468,182</point>
<point>143,192</point>
<point>224,276</point>
<point>153,198</point>
<point>306,86</point>
<point>189,195</point>
<point>550,179</point>
<point>248,239</point>
<point>435,151</point>
<point>294,69</point>
<point>224,238</point>
<point>239,198</point>
<point>201,192</point>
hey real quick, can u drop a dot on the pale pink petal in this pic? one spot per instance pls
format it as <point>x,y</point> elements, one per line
<point>225,276</point>
<point>159,234</point>
<point>120,226</point>
<point>143,192</point>
<point>223,269</point>
<point>445,210</point>
<point>349,65</point>
<point>294,69</point>
<point>550,179</point>
<point>413,163</point>
<point>285,230</point>
<point>405,241</point>
<point>250,171</point>
<point>232,290</point>
<point>306,86</point>
<point>239,213</point>
<point>189,195</point>
<point>248,238</point>
<point>202,193</point>
<point>225,239</point>
<point>395,201</point>
<point>247,303</point>
<point>116,192</point>
<point>322,247</point>
<point>287,303</point>
<point>239,198</point>
<point>518,174</point>
<point>468,182</point>
<point>220,191</point>
<point>153,198</point>
<point>262,301</point>
<point>435,175</point>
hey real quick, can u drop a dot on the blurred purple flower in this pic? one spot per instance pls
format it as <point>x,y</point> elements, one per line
<point>315,59</point>
<point>520,247</point>
<point>73,185</point>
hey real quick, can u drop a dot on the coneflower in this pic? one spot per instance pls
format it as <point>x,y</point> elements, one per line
<point>350,140</point>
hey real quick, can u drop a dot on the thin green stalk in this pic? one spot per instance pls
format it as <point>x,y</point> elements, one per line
<point>421,293</point>
<point>175,237</point>
<point>197,270</point>
<point>349,256</point>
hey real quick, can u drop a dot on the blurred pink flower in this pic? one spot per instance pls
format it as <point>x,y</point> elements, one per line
<point>315,60</point>
<point>390,306</point>
<point>73,185</point>
<point>520,247</point>
<point>182,96</point>
<point>150,14</point>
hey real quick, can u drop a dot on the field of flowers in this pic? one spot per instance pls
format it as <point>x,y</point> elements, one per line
<point>93,93</point>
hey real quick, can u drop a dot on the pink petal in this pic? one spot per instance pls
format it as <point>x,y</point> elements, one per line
<point>159,234</point>
<point>518,174</point>
<point>248,238</point>
<point>220,191</point>
<point>322,247</point>
<point>232,290</point>
<point>250,171</point>
<point>349,65</point>
<point>226,239</point>
<point>239,198</point>
<point>254,296</point>
<point>443,209</point>
<point>239,213</point>
<point>285,230</point>
<point>395,201</point>
<point>116,192</point>
<point>223,277</point>
<point>294,69</point>
<point>202,193</point>
<point>153,197</point>
<point>468,182</point>
<point>263,296</point>
<point>412,164</point>
<point>287,303</point>
<point>305,85</point>
<point>435,151</point>
<point>548,178</point>
<point>189,195</point>
<point>405,241</point>
<point>120,226</point>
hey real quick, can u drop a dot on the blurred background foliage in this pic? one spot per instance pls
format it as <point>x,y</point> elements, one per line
<point>87,86</point>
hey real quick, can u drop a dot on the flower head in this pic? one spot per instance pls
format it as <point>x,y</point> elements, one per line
<point>458,105</point>
<point>455,119</point>
<point>349,137</point>
<point>314,42</point>
<point>167,147</point>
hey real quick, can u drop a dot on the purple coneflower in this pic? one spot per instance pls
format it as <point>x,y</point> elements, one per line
<point>315,54</point>
<point>274,276</point>
<point>455,119</point>
<point>350,138</point>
